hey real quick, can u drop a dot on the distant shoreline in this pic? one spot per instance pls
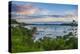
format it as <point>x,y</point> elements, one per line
<point>55,24</point>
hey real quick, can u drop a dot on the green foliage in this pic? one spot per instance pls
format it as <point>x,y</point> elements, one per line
<point>13,21</point>
<point>22,41</point>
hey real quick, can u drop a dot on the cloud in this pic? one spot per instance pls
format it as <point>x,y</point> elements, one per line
<point>23,11</point>
<point>72,14</point>
<point>29,9</point>
<point>43,20</point>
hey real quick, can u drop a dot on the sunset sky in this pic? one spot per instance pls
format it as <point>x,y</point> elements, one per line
<point>29,12</point>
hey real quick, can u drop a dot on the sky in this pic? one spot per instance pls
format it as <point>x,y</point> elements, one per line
<point>31,12</point>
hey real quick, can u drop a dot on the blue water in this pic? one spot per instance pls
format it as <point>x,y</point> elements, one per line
<point>52,30</point>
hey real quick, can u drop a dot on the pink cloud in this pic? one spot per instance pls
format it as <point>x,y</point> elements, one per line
<point>27,9</point>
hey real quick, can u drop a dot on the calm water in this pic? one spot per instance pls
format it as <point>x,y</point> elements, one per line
<point>52,30</point>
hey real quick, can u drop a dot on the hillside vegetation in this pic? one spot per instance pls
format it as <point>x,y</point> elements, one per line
<point>22,41</point>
